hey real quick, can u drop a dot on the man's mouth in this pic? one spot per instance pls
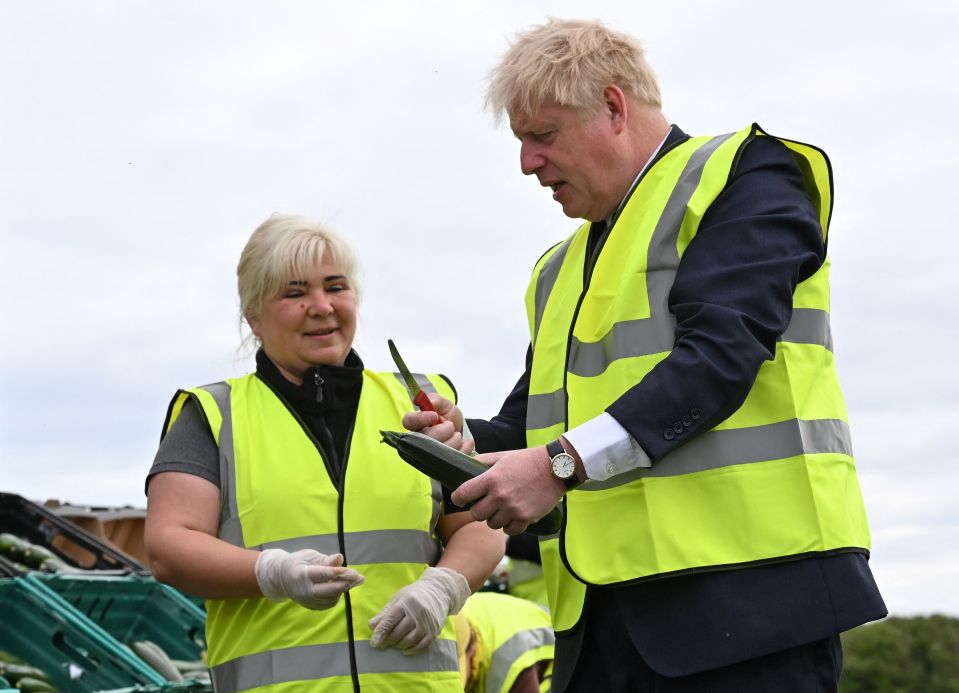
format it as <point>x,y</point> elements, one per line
<point>321,333</point>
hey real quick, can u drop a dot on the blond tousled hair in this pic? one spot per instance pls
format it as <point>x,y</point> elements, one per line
<point>284,248</point>
<point>571,62</point>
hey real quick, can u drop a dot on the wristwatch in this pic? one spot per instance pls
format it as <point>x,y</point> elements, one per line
<point>562,464</point>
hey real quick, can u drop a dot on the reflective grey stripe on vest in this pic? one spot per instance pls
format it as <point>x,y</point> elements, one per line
<point>809,326</point>
<point>375,546</point>
<point>728,447</point>
<point>510,651</point>
<point>314,662</point>
<point>546,280</point>
<point>230,529</point>
<point>632,338</point>
<point>543,411</point>
<point>649,336</point>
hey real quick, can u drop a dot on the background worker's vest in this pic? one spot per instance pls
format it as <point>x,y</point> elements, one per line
<point>513,634</point>
<point>526,581</point>
<point>775,481</point>
<point>276,493</point>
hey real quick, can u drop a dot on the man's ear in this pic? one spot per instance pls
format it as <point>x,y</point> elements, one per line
<point>617,107</point>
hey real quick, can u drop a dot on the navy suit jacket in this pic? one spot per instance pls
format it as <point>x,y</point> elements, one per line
<point>732,299</point>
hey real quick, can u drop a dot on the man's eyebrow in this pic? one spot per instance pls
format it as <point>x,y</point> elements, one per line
<point>334,277</point>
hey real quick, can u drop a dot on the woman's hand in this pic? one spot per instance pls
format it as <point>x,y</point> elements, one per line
<point>310,578</point>
<point>449,432</point>
<point>415,615</point>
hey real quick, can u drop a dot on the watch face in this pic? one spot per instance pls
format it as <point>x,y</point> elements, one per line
<point>564,466</point>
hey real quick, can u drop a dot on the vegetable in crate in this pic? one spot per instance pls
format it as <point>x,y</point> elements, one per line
<point>23,676</point>
<point>30,555</point>
<point>156,657</point>
<point>451,468</point>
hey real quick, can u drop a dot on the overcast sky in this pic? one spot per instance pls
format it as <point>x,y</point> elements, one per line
<point>142,142</point>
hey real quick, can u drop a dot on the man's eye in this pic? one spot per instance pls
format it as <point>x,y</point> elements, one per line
<point>543,136</point>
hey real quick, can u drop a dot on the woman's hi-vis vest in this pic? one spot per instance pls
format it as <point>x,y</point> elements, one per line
<point>773,482</point>
<point>276,492</point>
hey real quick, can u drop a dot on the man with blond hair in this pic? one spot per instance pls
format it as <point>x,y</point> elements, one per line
<point>680,397</point>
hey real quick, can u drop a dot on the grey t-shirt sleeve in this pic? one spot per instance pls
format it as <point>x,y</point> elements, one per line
<point>188,447</point>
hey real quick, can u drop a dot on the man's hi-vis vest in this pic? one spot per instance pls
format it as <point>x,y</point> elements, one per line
<point>773,482</point>
<point>276,492</point>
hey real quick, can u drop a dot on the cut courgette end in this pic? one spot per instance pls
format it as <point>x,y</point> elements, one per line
<point>549,524</point>
<point>391,438</point>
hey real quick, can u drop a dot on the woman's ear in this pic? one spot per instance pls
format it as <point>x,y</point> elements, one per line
<point>253,322</point>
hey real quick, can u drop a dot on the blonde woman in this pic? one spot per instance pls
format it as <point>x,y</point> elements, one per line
<point>324,559</point>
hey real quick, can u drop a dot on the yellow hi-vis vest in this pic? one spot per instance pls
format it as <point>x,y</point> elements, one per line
<point>775,481</point>
<point>513,633</point>
<point>276,492</point>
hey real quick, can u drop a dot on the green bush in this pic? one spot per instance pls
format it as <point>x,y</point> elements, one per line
<point>902,655</point>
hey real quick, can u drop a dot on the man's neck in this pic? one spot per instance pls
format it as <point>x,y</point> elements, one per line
<point>611,219</point>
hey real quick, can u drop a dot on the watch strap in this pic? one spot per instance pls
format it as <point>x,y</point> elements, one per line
<point>554,448</point>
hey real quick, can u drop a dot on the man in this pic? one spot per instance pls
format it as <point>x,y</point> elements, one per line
<point>679,397</point>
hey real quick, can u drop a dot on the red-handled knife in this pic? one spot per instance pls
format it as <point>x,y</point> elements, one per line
<point>419,397</point>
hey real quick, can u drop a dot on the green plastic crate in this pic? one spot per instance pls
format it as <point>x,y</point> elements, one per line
<point>135,608</point>
<point>77,655</point>
<point>169,687</point>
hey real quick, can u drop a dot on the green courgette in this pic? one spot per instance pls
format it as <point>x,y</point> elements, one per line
<point>451,468</point>
<point>154,655</point>
<point>14,671</point>
<point>8,541</point>
<point>13,546</point>
<point>9,657</point>
<point>28,684</point>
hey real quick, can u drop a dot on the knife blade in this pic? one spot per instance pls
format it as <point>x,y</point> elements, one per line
<point>419,397</point>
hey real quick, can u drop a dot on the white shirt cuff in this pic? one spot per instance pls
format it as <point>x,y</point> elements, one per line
<point>606,448</point>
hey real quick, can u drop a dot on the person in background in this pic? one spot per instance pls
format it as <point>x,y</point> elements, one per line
<point>680,392</point>
<point>524,569</point>
<point>505,644</point>
<point>324,558</point>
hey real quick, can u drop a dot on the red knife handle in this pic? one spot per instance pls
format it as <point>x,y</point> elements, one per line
<point>423,402</point>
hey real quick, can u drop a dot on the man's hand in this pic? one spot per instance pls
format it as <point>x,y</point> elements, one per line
<point>415,615</point>
<point>308,577</point>
<point>518,490</point>
<point>450,432</point>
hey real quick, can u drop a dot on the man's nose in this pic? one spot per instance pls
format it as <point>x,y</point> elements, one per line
<point>530,160</point>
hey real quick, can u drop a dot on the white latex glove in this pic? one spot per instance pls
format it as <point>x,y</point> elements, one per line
<point>415,615</point>
<point>308,577</point>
